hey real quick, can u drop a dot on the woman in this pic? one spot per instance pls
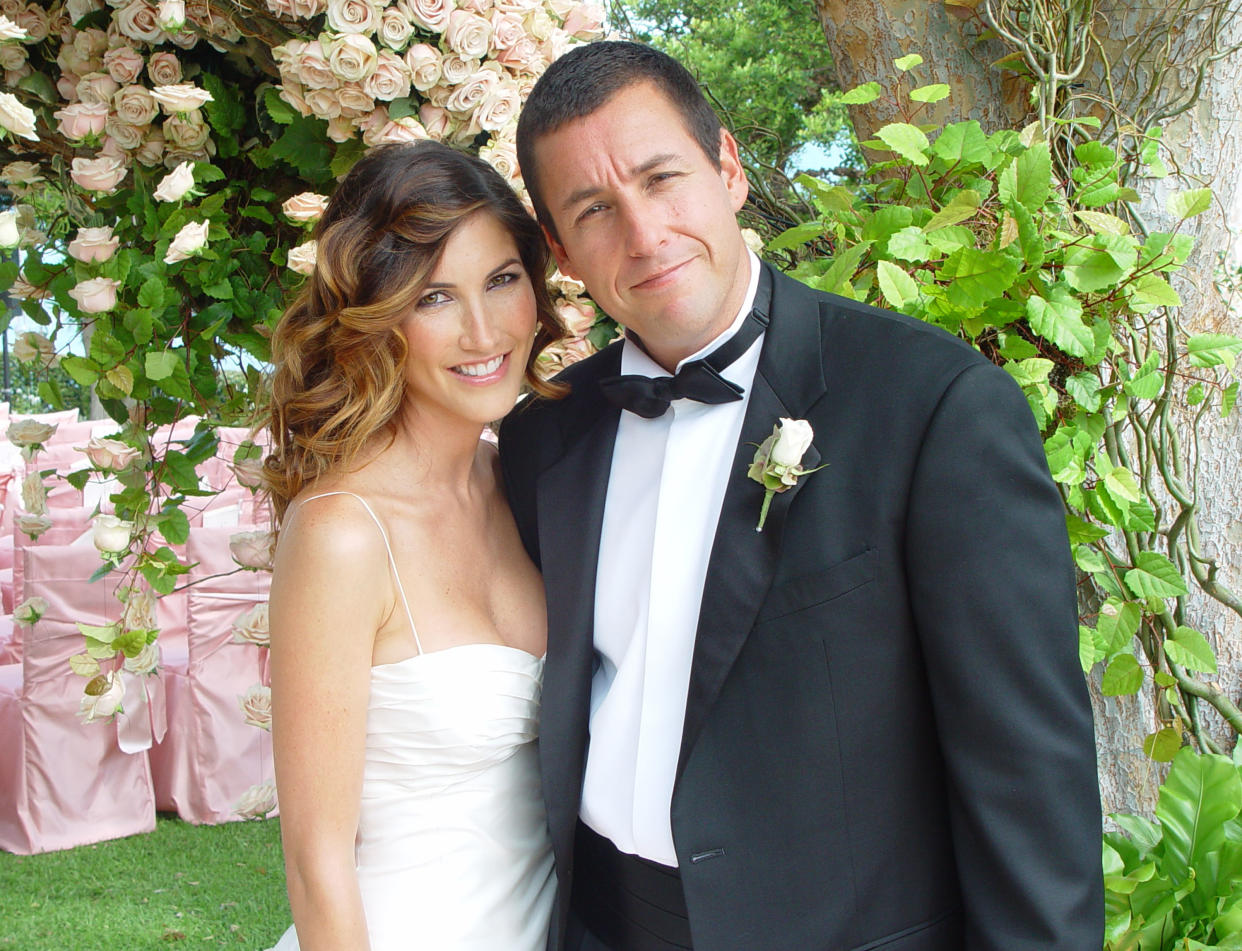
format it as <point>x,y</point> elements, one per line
<point>407,623</point>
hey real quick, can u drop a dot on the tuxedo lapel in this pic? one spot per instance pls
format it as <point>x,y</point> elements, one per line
<point>789,380</point>
<point>570,499</point>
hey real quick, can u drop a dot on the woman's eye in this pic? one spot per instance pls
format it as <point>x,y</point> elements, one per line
<point>432,298</point>
<point>500,280</point>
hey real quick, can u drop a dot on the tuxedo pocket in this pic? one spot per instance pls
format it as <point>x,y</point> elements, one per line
<point>809,590</point>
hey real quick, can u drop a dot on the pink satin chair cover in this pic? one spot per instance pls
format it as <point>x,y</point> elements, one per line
<point>64,783</point>
<point>210,755</point>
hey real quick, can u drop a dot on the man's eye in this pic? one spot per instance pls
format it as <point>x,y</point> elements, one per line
<point>591,210</point>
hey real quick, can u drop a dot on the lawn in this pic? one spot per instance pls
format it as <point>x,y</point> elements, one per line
<point>182,886</point>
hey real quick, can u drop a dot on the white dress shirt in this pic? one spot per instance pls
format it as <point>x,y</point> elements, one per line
<point>666,486</point>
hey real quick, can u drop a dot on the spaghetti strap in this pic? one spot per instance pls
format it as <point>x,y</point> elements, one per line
<point>391,560</point>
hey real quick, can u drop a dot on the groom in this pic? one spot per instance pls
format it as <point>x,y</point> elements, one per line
<point>863,727</point>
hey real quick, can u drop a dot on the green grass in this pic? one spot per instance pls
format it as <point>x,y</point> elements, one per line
<point>181,886</point>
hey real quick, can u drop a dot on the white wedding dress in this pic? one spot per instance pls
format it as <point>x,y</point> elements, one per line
<point>452,847</point>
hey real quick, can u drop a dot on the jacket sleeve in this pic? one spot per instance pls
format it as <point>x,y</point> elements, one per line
<point>992,587</point>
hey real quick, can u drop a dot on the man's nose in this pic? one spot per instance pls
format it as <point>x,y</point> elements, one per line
<point>644,229</point>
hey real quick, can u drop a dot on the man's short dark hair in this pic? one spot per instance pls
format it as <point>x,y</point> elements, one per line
<point>585,78</point>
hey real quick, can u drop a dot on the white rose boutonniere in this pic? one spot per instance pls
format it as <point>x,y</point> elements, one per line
<point>777,465</point>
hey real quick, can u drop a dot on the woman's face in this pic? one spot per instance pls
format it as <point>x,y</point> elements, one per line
<point>472,328</point>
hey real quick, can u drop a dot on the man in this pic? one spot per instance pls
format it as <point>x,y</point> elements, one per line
<point>863,726</point>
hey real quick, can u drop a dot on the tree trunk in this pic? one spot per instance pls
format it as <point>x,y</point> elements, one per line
<point>865,36</point>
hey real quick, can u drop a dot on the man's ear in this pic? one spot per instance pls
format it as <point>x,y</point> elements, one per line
<point>559,253</point>
<point>731,171</point>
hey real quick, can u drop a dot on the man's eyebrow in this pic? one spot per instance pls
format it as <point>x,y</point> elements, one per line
<point>582,194</point>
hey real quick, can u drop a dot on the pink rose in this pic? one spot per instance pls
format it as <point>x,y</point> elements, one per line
<point>405,129</point>
<point>302,260</point>
<point>424,63</point>
<point>499,107</point>
<point>391,79</point>
<point>352,58</point>
<point>102,174</point>
<point>125,136</point>
<point>507,30</point>
<point>151,152</point>
<point>96,295</point>
<point>524,55</point>
<point>456,69</point>
<point>252,627</point>
<point>96,88</point>
<point>305,207</point>
<point>253,550</point>
<point>586,22</point>
<point>164,69</point>
<point>468,33</point>
<point>324,103</point>
<point>431,15</point>
<point>312,69</point>
<point>135,105</point>
<point>341,129</point>
<point>256,704</point>
<point>35,22</point>
<point>395,29</point>
<point>295,95</point>
<point>109,454</point>
<point>435,120</point>
<point>501,154</point>
<point>81,120</point>
<point>298,9</point>
<point>355,101</point>
<point>93,244</point>
<point>353,16</point>
<point>469,94</point>
<point>137,20</point>
<point>124,64</point>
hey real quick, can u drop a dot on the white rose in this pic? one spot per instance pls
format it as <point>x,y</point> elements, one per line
<point>352,57</point>
<point>30,432</point>
<point>395,29</point>
<point>10,236</point>
<point>96,295</point>
<point>103,697</point>
<point>252,627</point>
<point>302,258</point>
<point>146,661</point>
<point>175,184</point>
<point>305,207</point>
<point>189,241</point>
<point>431,15</point>
<point>109,454</point>
<point>22,173</point>
<point>33,347</point>
<point>260,799</point>
<point>102,174</point>
<point>81,119</point>
<point>16,118</point>
<point>34,494</point>
<point>180,97</point>
<point>253,550</point>
<point>468,33</point>
<point>354,16</point>
<point>793,438</point>
<point>93,244</point>
<point>110,534</point>
<point>170,15</point>
<point>29,611</point>
<point>32,525</point>
<point>10,30</point>
<point>256,705</point>
<point>752,240</point>
<point>139,613</point>
<point>249,472</point>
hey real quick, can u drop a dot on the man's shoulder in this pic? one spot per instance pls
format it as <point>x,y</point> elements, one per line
<point>537,416</point>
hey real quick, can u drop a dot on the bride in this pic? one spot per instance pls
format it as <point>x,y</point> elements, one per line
<point>407,623</point>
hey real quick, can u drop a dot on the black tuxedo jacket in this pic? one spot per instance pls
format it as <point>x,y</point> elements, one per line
<point>888,739</point>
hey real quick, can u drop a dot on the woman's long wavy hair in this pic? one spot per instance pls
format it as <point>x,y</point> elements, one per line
<point>338,350</point>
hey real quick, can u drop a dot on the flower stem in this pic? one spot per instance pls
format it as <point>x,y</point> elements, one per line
<point>763,512</point>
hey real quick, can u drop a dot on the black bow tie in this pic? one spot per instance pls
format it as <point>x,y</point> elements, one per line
<point>700,380</point>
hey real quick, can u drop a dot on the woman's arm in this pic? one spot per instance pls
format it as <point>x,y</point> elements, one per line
<point>330,594</point>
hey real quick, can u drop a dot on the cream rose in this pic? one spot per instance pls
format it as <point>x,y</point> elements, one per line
<point>10,236</point>
<point>501,154</point>
<point>96,88</point>
<point>471,93</point>
<point>76,9</point>
<point>793,438</point>
<point>305,207</point>
<point>424,63</point>
<point>34,494</point>
<point>31,524</point>
<point>139,612</point>
<point>499,107</point>
<point>102,174</point>
<point>252,626</point>
<point>395,29</point>
<point>180,97</point>
<point>256,705</point>
<point>302,258</point>
<point>324,103</point>
<point>16,118</point>
<point>110,534</point>
<point>146,661</point>
<point>124,64</point>
<point>191,239</point>
<point>33,347</point>
<point>175,185</point>
<point>25,433</point>
<point>456,69</point>
<point>29,611</point>
<point>34,20</point>
<point>355,101</point>
<point>187,131</point>
<point>258,800</point>
<point>585,22</point>
<point>111,455</point>
<point>354,16</point>
<point>103,698</point>
<point>135,105</point>
<point>93,244</point>
<point>122,135</point>
<point>22,173</point>
<point>352,58</point>
<point>253,550</point>
<point>468,33</point>
<point>391,79</point>
<point>137,20</point>
<point>300,9</point>
<point>405,129</point>
<point>164,69</point>
<point>431,15</point>
<point>151,152</point>
<point>96,295</point>
<point>249,472</point>
<point>313,70</point>
<point>170,15</point>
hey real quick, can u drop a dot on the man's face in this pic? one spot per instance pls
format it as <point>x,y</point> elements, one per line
<point>646,221</point>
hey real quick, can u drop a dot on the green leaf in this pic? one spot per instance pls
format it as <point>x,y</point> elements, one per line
<point>1190,649</point>
<point>1058,317</point>
<point>1027,181</point>
<point>1210,350</point>
<point>1154,576</point>
<point>220,290</point>
<point>205,173</point>
<point>1122,677</point>
<point>49,392</point>
<point>1102,223</point>
<point>1195,395</point>
<point>861,95</point>
<point>175,527</point>
<point>1147,383</point>
<point>1100,261</point>
<point>105,349</point>
<point>122,378</point>
<point>1200,794</point>
<point>960,207</point>
<point>1083,532</point>
<point>179,472</point>
<point>910,244</point>
<point>796,236</point>
<point>1171,250</point>
<point>962,142</point>
<point>978,277</point>
<point>1227,398</point>
<point>1085,389</point>
<point>1189,203</point>
<point>932,93</point>
<point>906,140</point>
<point>1163,745</point>
<point>1029,372</point>
<point>83,371</point>
<point>1089,653</point>
<point>1122,486</point>
<point>160,364</point>
<point>304,146</point>
<point>140,323</point>
<point>908,62</point>
<point>280,111</point>
<point>151,294</point>
<point>1150,291</point>
<point>1117,624</point>
<point>898,287</point>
